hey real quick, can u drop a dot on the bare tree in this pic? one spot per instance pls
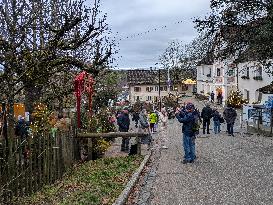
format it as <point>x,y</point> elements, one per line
<point>44,37</point>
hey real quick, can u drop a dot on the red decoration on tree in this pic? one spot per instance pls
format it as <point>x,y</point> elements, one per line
<point>83,83</point>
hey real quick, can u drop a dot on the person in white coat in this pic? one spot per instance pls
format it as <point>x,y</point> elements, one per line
<point>164,121</point>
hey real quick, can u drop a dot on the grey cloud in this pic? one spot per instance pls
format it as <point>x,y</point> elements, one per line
<point>130,17</point>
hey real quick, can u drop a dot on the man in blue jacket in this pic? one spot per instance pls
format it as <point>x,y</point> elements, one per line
<point>123,122</point>
<point>187,118</point>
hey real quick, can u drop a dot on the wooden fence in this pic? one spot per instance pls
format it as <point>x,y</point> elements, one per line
<point>29,163</point>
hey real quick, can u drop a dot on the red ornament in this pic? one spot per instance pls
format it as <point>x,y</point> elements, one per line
<point>83,83</point>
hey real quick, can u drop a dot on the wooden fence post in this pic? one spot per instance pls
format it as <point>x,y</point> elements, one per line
<point>90,148</point>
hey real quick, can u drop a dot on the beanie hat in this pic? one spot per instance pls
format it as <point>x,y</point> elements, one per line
<point>189,106</point>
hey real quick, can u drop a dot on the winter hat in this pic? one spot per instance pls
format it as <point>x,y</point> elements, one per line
<point>189,106</point>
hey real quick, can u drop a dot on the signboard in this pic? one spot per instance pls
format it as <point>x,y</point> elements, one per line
<point>248,113</point>
<point>218,80</point>
<point>267,112</point>
<point>230,80</point>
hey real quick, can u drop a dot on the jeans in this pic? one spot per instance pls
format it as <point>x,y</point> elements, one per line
<point>216,127</point>
<point>230,128</point>
<point>189,147</point>
<point>206,124</point>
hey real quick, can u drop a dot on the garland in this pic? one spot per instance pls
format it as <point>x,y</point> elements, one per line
<point>83,83</point>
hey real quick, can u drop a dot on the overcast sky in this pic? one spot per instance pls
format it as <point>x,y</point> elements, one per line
<point>132,17</point>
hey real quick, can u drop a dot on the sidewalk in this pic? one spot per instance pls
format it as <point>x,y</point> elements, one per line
<point>228,170</point>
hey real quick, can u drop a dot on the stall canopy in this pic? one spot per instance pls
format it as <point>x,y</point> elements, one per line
<point>189,82</point>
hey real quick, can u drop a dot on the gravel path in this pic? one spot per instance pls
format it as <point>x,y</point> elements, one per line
<point>228,170</point>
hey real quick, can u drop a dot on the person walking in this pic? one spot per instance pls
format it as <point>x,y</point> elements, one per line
<point>230,117</point>
<point>212,96</point>
<point>219,98</point>
<point>135,118</point>
<point>187,118</point>
<point>206,115</point>
<point>144,127</point>
<point>216,121</point>
<point>123,122</point>
<point>164,120</point>
<point>153,120</point>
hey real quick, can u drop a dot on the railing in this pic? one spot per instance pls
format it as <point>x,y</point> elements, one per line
<point>91,136</point>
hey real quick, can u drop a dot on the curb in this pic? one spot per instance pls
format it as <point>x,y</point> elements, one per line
<point>125,193</point>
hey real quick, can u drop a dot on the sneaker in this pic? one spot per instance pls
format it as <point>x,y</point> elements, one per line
<point>164,147</point>
<point>186,161</point>
<point>191,161</point>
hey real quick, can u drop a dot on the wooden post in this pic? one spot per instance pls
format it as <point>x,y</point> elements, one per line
<point>138,145</point>
<point>90,149</point>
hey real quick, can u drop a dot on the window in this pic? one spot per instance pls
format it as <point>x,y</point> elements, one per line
<point>149,98</point>
<point>161,88</point>
<point>218,72</point>
<point>247,95</point>
<point>165,88</point>
<point>210,71</point>
<point>171,88</point>
<point>259,71</point>
<point>156,88</point>
<point>137,98</point>
<point>247,72</point>
<point>149,89</point>
<point>231,72</point>
<point>137,89</point>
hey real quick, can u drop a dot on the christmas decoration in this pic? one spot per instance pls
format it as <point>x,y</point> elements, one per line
<point>41,119</point>
<point>235,99</point>
<point>83,83</point>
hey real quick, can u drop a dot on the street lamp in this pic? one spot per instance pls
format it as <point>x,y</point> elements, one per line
<point>176,94</point>
<point>159,91</point>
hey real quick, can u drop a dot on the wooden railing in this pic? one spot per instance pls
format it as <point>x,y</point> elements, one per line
<point>91,136</point>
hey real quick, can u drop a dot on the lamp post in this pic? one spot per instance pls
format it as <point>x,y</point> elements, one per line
<point>159,91</point>
<point>176,94</point>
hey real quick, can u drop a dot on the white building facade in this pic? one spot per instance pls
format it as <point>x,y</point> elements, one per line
<point>219,77</point>
<point>150,93</point>
<point>253,76</point>
<point>222,77</point>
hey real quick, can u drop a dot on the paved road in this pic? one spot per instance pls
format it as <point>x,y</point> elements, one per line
<point>228,170</point>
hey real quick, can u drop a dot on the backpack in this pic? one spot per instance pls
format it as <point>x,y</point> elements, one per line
<point>196,123</point>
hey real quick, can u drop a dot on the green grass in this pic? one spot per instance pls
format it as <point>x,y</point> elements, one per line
<point>97,182</point>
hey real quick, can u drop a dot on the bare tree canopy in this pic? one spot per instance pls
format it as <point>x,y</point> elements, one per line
<point>41,38</point>
<point>182,59</point>
<point>242,30</point>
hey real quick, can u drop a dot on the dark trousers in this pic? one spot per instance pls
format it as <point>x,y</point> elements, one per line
<point>125,144</point>
<point>152,127</point>
<point>206,124</point>
<point>230,128</point>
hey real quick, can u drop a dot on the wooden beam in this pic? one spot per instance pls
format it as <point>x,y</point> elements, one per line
<point>111,135</point>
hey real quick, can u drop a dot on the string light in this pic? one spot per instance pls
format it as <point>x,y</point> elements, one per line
<point>149,31</point>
